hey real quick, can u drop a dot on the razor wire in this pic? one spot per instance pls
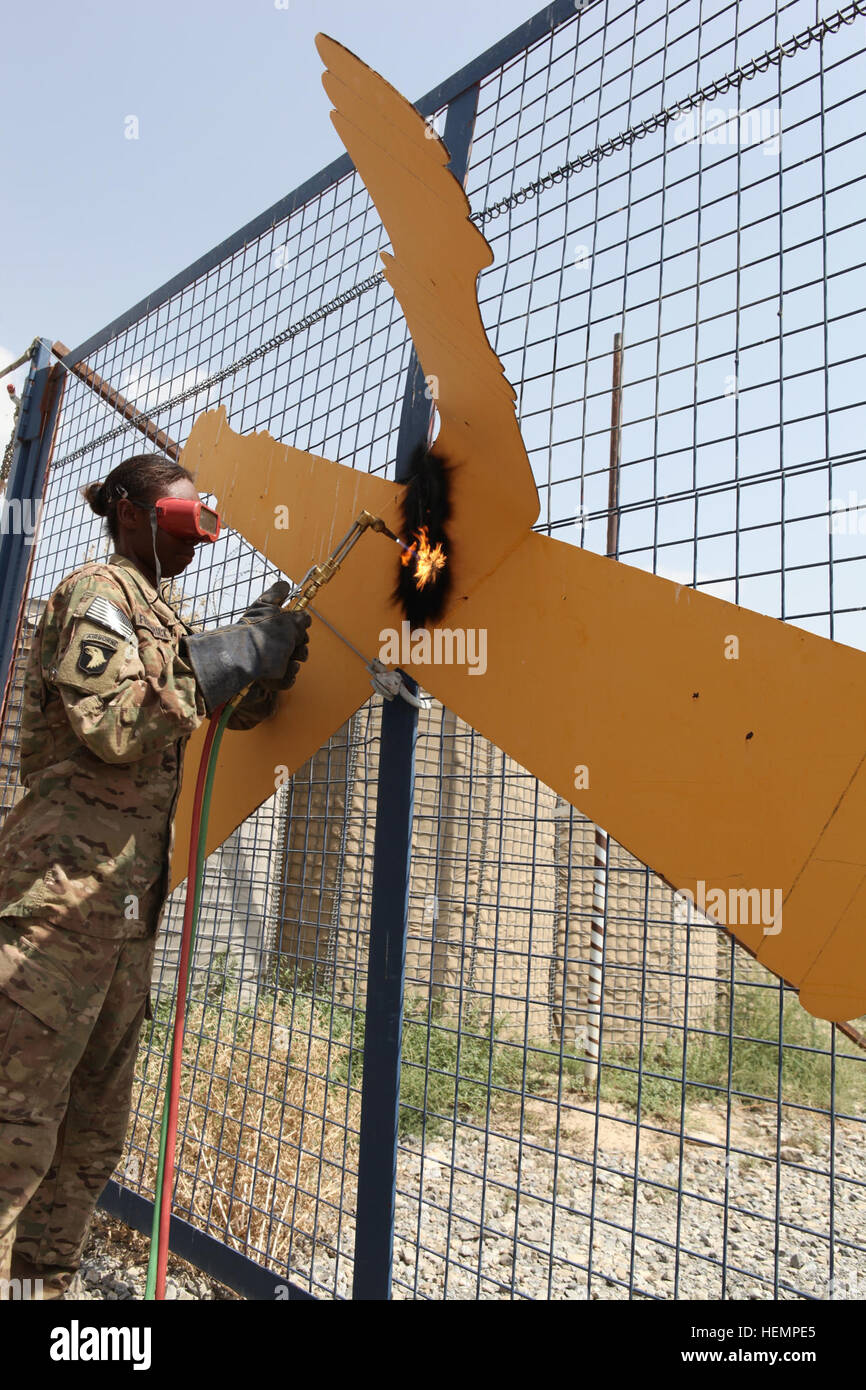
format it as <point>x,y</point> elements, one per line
<point>144,417</point>
<point>816,33</point>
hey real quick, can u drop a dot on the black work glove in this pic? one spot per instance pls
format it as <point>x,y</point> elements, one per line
<point>264,607</point>
<point>274,597</point>
<point>227,660</point>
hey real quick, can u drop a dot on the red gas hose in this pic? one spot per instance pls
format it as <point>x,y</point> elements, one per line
<point>180,1012</point>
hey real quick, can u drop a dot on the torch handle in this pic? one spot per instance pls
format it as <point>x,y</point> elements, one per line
<point>319,575</point>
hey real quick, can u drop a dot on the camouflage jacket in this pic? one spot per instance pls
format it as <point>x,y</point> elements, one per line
<point>108,705</point>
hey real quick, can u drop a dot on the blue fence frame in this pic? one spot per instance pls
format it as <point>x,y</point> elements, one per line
<point>40,404</point>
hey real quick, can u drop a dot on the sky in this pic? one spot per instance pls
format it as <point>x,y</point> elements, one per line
<point>231,115</point>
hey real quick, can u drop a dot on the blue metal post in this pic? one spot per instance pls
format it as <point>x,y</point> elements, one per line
<point>40,401</point>
<point>211,1256</point>
<point>380,1091</point>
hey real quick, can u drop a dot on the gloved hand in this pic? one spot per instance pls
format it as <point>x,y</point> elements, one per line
<point>228,659</point>
<point>274,597</point>
<point>264,607</point>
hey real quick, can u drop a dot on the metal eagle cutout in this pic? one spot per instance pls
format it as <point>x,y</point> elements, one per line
<point>723,748</point>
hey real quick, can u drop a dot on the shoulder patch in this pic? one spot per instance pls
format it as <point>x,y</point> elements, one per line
<point>94,654</point>
<point>106,614</point>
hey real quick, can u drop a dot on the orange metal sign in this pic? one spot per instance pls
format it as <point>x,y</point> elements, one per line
<point>723,748</point>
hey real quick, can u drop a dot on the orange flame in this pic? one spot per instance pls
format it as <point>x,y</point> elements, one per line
<point>429,560</point>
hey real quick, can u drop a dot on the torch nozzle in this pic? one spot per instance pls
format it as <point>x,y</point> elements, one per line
<point>376,524</point>
<point>320,574</point>
<point>402,544</point>
<point>385,531</point>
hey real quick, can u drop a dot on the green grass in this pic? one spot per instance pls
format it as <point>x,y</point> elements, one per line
<point>459,1068</point>
<point>753,1060</point>
<point>446,1075</point>
<point>445,1072</point>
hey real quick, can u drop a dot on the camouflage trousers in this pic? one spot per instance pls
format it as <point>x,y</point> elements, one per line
<point>71,1009</point>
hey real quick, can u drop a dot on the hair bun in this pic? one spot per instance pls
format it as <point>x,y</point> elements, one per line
<point>96,494</point>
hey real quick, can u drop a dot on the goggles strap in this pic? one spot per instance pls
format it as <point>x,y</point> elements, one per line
<point>155,555</point>
<point>122,492</point>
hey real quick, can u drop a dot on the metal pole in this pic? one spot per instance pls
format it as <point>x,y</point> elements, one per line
<point>380,1089</point>
<point>113,397</point>
<point>602,841</point>
<point>22,499</point>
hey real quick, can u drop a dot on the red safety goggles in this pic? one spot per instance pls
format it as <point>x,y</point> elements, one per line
<point>187,518</point>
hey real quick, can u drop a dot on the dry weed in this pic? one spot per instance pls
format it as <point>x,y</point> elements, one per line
<point>267,1152</point>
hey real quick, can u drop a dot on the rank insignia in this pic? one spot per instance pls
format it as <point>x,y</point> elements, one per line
<point>94,654</point>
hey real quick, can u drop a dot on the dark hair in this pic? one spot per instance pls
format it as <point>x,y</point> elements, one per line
<point>142,478</point>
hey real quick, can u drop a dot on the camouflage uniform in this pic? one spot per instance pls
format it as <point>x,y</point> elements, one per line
<point>108,705</point>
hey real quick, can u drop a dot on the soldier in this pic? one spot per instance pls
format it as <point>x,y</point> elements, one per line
<point>115,684</point>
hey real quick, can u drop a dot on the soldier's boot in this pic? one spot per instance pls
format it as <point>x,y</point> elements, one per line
<point>54,1226</point>
<point>39,1284</point>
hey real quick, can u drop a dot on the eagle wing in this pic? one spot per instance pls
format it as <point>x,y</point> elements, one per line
<point>437,256</point>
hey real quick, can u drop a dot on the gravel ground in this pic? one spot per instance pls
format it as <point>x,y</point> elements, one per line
<point>115,1267</point>
<point>497,1241</point>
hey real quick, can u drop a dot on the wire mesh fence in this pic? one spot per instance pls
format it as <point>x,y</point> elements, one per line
<point>689,176</point>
